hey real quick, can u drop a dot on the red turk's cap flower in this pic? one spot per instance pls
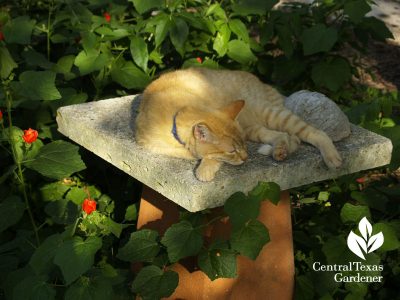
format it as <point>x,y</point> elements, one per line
<point>360,180</point>
<point>1,36</point>
<point>89,206</point>
<point>199,60</point>
<point>1,115</point>
<point>107,16</point>
<point>30,135</point>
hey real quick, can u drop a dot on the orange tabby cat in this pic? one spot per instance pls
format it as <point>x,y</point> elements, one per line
<point>196,114</point>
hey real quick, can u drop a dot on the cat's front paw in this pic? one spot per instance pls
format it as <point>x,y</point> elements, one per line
<point>207,169</point>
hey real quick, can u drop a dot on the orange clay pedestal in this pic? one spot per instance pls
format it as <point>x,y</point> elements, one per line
<point>270,276</point>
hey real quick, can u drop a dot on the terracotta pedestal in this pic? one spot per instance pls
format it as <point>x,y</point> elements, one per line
<point>270,276</point>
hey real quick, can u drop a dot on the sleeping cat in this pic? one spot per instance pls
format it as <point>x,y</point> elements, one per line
<point>209,115</point>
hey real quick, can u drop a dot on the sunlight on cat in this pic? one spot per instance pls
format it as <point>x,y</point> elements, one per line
<point>208,115</point>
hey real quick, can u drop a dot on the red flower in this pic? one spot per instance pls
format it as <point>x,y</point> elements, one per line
<point>1,115</point>
<point>107,16</point>
<point>30,135</point>
<point>360,180</point>
<point>89,206</point>
<point>199,60</point>
<point>1,36</point>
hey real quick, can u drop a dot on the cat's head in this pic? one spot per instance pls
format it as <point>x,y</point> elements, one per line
<point>219,137</point>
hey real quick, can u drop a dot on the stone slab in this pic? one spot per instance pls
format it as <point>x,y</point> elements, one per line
<point>106,128</point>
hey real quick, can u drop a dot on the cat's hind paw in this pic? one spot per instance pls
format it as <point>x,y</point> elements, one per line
<point>280,151</point>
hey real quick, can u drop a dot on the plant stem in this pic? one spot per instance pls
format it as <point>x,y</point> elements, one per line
<point>18,163</point>
<point>48,29</point>
<point>211,221</point>
<point>75,225</point>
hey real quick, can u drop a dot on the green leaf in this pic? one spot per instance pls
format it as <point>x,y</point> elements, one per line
<point>76,195</point>
<point>65,63</point>
<point>250,239</point>
<point>372,198</point>
<point>42,259</point>
<point>39,85</point>
<point>112,35</point>
<point>90,288</point>
<point>7,63</point>
<point>256,7</point>
<point>64,66</point>
<point>336,250</point>
<point>216,10</point>
<point>331,74</point>
<point>131,213</point>
<point>162,29</point>
<point>11,211</point>
<point>358,289</point>
<point>377,28</point>
<point>391,242</point>
<point>89,40</point>
<point>318,38</point>
<point>32,150</point>
<point>240,52</point>
<point>304,288</point>
<point>112,226</point>
<point>238,28</point>
<point>58,159</point>
<point>285,40</point>
<point>142,246</point>
<point>34,287</point>
<point>152,283</point>
<point>139,52</point>
<point>356,10</point>
<point>241,209</point>
<point>221,40</point>
<point>182,240</point>
<point>69,97</point>
<point>14,135</point>
<point>198,22</point>
<point>286,70</point>
<point>323,196</point>
<point>354,213</point>
<point>266,191</point>
<point>218,263</point>
<point>178,34</point>
<point>19,30</point>
<point>62,211</point>
<point>128,75</point>
<point>90,61</point>
<point>143,6</point>
<point>34,58</point>
<point>76,256</point>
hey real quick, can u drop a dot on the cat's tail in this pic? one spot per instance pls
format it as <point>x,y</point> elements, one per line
<point>282,119</point>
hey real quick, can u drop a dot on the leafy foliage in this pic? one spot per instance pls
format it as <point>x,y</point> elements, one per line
<point>56,53</point>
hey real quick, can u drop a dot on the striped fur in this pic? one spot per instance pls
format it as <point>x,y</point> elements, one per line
<point>214,124</point>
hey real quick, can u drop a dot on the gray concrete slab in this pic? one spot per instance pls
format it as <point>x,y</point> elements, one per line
<point>107,129</point>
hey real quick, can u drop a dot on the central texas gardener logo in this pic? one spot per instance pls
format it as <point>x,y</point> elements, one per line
<point>366,243</point>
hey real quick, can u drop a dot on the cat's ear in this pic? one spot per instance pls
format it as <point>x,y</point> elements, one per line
<point>233,109</point>
<point>202,133</point>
